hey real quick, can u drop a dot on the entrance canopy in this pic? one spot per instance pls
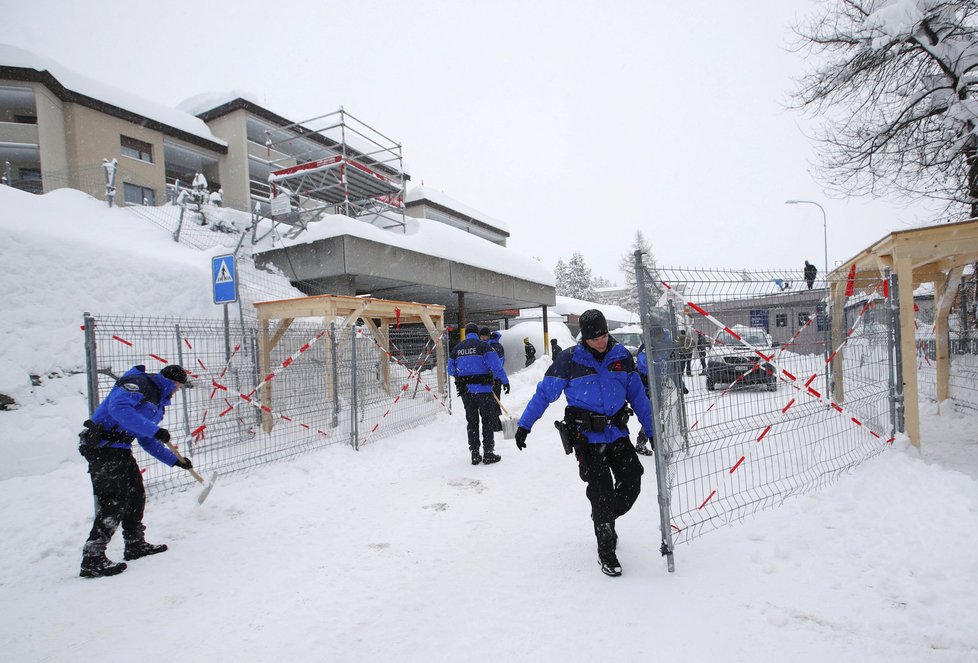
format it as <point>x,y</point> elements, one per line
<point>377,315</point>
<point>935,254</point>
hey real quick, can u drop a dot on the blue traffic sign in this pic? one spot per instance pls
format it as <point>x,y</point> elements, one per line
<point>224,279</point>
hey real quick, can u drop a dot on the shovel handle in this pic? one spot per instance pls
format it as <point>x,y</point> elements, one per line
<point>180,457</point>
<point>500,402</point>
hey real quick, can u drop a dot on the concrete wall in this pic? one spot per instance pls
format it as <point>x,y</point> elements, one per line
<point>93,136</point>
<point>51,137</point>
<point>232,129</point>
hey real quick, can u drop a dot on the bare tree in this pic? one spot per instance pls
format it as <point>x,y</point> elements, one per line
<point>894,96</point>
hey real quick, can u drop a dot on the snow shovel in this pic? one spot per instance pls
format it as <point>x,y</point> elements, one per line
<point>207,486</point>
<point>508,422</point>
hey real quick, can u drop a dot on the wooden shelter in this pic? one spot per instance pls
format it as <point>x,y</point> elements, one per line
<point>935,254</point>
<point>377,314</point>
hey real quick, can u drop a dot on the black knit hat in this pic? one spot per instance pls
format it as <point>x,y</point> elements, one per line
<point>176,373</point>
<point>471,328</point>
<point>592,324</point>
<point>484,331</point>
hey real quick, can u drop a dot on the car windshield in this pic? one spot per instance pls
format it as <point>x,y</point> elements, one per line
<point>628,338</point>
<point>756,339</point>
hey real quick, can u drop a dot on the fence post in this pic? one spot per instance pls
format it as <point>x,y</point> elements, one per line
<point>677,377</point>
<point>91,362</point>
<point>665,516</point>
<point>890,348</point>
<point>8,174</point>
<point>186,407</point>
<point>354,432</point>
<point>336,377</point>
<point>897,352</point>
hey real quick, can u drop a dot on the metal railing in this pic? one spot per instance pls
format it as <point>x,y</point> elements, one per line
<point>219,424</point>
<point>744,422</point>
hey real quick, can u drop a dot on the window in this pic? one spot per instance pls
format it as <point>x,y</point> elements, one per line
<point>138,195</point>
<point>136,149</point>
<point>780,319</point>
<point>25,119</point>
<point>802,318</point>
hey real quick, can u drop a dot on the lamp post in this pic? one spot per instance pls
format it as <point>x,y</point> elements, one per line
<point>825,247</point>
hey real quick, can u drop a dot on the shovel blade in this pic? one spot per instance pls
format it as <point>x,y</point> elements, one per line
<point>207,489</point>
<point>509,426</point>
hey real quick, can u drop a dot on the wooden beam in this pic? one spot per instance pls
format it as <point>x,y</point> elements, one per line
<point>435,332</point>
<point>908,354</point>
<point>264,368</point>
<point>282,328</point>
<point>945,290</point>
<point>836,334</point>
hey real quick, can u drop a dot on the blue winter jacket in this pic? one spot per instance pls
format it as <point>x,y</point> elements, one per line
<point>135,406</point>
<point>601,388</point>
<point>660,357</point>
<point>474,359</point>
<point>496,344</point>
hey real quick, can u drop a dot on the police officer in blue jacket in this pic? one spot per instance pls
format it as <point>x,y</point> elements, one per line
<point>598,378</point>
<point>474,364</point>
<point>492,338</point>
<point>131,411</point>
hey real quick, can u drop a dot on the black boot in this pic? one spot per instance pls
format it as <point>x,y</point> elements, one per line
<point>97,565</point>
<point>489,457</point>
<point>607,542</point>
<point>476,458</point>
<point>137,549</point>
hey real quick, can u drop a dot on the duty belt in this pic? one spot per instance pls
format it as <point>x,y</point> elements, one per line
<point>592,421</point>
<point>478,378</point>
<point>95,433</point>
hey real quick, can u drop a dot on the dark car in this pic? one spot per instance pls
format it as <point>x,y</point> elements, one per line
<point>728,361</point>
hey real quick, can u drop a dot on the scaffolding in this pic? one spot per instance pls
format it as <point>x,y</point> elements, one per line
<point>335,164</point>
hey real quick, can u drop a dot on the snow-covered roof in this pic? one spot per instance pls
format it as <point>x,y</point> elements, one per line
<point>419,193</point>
<point>571,306</point>
<point>434,239</point>
<point>205,101</point>
<point>72,81</point>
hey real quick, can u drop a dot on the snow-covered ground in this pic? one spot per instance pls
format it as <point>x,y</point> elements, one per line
<point>404,551</point>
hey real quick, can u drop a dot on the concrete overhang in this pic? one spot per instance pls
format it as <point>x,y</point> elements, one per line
<point>349,265</point>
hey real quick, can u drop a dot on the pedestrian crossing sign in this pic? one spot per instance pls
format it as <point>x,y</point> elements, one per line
<point>224,279</point>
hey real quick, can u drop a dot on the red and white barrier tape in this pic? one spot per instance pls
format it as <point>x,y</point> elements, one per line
<point>783,374</point>
<point>412,376</point>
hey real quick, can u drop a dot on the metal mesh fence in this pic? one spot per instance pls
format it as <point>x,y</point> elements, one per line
<point>963,373</point>
<point>750,411</point>
<point>220,422</point>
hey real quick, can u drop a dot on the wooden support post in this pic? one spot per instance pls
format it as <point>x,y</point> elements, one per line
<point>944,292</point>
<point>436,327</point>
<point>836,334</point>
<point>908,344</point>
<point>382,337</point>
<point>264,366</point>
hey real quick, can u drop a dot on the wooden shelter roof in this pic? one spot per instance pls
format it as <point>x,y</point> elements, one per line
<point>933,251</point>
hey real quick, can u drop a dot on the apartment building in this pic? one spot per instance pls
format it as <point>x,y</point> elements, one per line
<point>57,127</point>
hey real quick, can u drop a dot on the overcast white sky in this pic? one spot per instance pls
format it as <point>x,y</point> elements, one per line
<point>576,123</point>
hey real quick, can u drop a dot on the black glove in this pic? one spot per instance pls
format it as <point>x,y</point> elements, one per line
<point>183,464</point>
<point>163,435</point>
<point>506,388</point>
<point>460,388</point>
<point>521,434</point>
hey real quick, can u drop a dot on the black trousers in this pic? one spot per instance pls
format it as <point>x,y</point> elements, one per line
<point>684,361</point>
<point>480,406</point>
<point>613,474</point>
<point>119,496</point>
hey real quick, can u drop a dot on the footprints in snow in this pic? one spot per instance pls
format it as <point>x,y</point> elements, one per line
<point>474,485</point>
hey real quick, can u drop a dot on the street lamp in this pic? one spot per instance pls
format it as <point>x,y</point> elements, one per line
<point>825,231</point>
<point>825,246</point>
